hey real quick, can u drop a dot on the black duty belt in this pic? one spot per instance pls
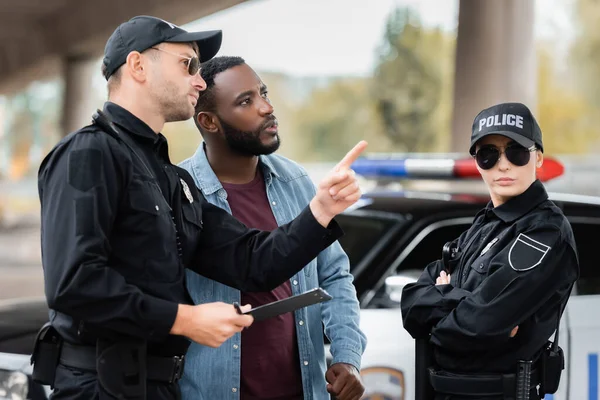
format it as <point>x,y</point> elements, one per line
<point>159,368</point>
<point>476,385</point>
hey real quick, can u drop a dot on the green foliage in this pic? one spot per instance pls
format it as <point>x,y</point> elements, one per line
<point>568,103</point>
<point>335,118</point>
<point>566,119</point>
<point>404,106</point>
<point>407,83</point>
<point>585,52</point>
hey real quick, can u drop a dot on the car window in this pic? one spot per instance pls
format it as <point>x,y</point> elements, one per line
<point>363,232</point>
<point>586,236</point>
<point>424,248</point>
<point>429,247</point>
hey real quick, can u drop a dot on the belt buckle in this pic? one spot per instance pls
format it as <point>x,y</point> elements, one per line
<point>178,364</point>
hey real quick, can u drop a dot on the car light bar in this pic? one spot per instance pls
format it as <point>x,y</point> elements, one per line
<point>437,168</point>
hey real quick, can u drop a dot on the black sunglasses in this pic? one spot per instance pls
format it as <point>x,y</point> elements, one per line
<point>193,63</point>
<point>488,156</point>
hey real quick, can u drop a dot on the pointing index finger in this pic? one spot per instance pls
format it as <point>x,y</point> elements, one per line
<point>351,156</point>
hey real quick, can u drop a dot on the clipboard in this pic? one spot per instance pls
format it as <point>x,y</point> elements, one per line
<point>308,298</point>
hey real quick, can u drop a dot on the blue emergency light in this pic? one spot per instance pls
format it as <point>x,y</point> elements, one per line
<point>435,167</point>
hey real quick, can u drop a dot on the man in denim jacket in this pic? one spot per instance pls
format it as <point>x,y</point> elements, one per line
<point>282,357</point>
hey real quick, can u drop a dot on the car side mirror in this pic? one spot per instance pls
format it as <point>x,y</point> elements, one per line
<point>395,283</point>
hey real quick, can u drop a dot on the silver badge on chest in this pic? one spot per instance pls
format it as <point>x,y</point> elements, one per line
<point>187,191</point>
<point>488,246</point>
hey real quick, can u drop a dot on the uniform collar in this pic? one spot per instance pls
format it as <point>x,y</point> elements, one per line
<point>138,129</point>
<point>518,206</point>
<point>207,179</point>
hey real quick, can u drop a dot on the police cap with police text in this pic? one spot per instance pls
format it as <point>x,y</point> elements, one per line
<point>513,120</point>
<point>142,32</point>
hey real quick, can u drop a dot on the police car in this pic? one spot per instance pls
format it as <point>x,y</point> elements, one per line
<point>20,321</point>
<point>392,234</point>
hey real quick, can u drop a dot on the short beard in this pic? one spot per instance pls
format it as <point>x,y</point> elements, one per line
<point>247,143</point>
<point>171,105</point>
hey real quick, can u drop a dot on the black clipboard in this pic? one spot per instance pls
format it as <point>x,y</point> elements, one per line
<point>290,304</point>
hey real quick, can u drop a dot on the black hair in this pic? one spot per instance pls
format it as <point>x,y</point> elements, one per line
<point>210,69</point>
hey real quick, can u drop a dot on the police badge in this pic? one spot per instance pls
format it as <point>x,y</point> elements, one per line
<point>488,246</point>
<point>526,253</point>
<point>186,191</point>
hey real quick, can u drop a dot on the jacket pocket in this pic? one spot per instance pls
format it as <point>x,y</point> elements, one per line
<point>192,213</point>
<point>150,209</point>
<point>481,265</point>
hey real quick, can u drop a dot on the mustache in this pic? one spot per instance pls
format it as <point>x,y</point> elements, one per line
<point>271,121</point>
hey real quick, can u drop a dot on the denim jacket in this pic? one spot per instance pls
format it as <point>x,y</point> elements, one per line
<point>214,374</point>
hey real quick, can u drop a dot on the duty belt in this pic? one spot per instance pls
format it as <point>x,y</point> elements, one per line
<point>159,368</point>
<point>477,385</point>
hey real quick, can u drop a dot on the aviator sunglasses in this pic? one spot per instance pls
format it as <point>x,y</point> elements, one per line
<point>487,156</point>
<point>193,63</point>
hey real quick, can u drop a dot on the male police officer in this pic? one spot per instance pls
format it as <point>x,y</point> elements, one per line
<point>491,306</point>
<point>120,223</point>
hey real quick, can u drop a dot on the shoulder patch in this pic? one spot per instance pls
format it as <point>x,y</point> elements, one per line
<point>85,169</point>
<point>526,253</point>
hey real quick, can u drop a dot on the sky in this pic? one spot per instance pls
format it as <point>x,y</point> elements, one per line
<point>334,37</point>
<point>320,38</point>
<point>314,37</point>
<point>339,37</point>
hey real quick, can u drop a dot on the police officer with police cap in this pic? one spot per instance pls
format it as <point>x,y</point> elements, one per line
<point>490,305</point>
<point>120,223</point>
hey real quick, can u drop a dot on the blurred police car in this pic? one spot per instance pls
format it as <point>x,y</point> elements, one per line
<point>392,234</point>
<point>20,320</point>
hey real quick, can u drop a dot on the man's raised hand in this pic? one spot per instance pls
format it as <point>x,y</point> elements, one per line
<point>339,189</point>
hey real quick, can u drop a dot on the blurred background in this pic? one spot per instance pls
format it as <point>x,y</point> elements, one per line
<point>407,75</point>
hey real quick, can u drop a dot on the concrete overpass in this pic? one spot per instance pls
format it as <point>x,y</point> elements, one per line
<point>41,38</point>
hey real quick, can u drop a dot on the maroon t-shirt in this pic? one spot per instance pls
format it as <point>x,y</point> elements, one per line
<point>270,358</point>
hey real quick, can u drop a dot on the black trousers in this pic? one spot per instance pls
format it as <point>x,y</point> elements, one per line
<point>76,384</point>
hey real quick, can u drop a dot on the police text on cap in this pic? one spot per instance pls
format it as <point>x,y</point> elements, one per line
<point>504,119</point>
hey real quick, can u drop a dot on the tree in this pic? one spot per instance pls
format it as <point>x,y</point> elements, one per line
<point>405,106</point>
<point>408,83</point>
<point>31,127</point>
<point>335,118</point>
<point>568,103</point>
<point>585,51</point>
<point>564,115</point>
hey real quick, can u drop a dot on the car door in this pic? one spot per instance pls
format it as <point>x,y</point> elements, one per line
<point>580,325</point>
<point>369,236</point>
<point>388,362</point>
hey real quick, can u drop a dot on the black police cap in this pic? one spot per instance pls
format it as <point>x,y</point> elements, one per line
<point>142,32</point>
<point>513,120</point>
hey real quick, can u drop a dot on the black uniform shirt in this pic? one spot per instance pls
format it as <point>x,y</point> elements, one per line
<point>115,243</point>
<point>515,266</point>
